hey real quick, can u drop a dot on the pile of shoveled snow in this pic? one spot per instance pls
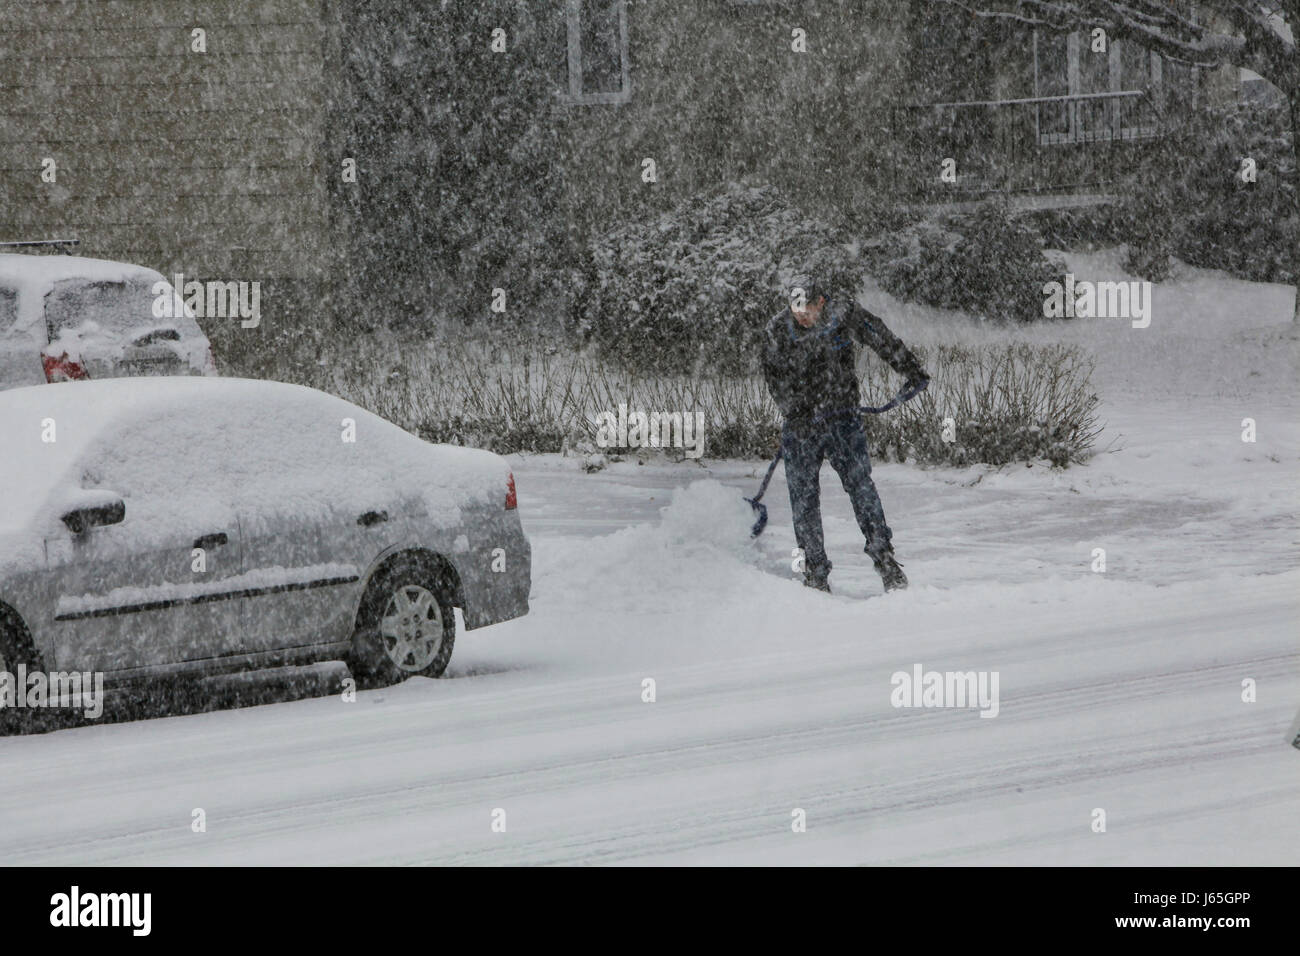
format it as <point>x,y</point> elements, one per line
<point>653,588</point>
<point>702,537</point>
<point>694,589</point>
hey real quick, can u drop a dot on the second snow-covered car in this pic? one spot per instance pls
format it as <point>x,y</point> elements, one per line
<point>68,317</point>
<point>157,526</point>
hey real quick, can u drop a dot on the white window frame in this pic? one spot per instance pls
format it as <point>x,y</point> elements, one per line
<point>575,95</point>
<point>1115,79</point>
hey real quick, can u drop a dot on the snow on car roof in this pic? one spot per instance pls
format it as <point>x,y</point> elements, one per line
<point>226,412</point>
<point>98,402</point>
<point>32,276</point>
<point>17,268</point>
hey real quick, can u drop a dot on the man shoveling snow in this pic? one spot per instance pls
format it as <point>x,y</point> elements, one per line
<point>809,356</point>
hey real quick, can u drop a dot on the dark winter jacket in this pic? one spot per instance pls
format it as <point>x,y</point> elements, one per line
<point>810,372</point>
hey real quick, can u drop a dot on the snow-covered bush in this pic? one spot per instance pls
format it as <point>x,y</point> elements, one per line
<point>992,405</point>
<point>1007,403</point>
<point>692,288</point>
<point>1220,221</point>
<point>1189,200</point>
<point>982,262</point>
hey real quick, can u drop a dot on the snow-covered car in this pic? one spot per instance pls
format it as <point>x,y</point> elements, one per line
<point>69,317</point>
<point>173,526</point>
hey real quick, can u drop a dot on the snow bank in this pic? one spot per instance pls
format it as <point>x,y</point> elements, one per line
<point>701,543</point>
<point>1210,336</point>
<point>692,583</point>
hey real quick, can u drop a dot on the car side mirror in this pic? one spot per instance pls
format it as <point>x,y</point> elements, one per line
<point>80,520</point>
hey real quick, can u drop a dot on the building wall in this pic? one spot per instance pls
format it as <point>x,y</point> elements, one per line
<point>211,164</point>
<point>718,94</point>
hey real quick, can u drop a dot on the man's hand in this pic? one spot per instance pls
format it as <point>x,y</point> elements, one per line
<point>916,382</point>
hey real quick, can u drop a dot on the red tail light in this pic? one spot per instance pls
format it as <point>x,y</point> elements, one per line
<point>61,369</point>
<point>512,501</point>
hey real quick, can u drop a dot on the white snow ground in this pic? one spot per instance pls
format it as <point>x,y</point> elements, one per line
<point>1120,691</point>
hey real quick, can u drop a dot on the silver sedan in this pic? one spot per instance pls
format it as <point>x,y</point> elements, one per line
<point>174,526</point>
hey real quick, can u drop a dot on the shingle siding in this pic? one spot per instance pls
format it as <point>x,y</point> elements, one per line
<point>208,163</point>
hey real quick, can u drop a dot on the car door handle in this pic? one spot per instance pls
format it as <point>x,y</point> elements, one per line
<point>209,541</point>
<point>372,518</point>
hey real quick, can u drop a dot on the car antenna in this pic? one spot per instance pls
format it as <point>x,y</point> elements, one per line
<point>61,244</point>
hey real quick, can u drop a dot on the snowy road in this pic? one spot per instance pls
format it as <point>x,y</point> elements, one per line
<point>712,770</point>
<point>1120,691</point>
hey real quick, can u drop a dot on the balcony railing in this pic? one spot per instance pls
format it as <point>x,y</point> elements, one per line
<point>1038,144</point>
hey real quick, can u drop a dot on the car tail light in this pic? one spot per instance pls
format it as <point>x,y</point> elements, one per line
<point>512,501</point>
<point>61,369</point>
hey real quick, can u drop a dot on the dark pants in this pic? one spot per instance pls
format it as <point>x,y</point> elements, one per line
<point>841,440</point>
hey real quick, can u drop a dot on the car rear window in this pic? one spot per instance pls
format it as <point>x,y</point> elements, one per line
<point>115,307</point>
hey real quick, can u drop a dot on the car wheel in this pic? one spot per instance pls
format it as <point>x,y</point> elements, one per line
<point>408,625</point>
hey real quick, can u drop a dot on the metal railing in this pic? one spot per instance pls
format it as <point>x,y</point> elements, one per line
<point>1035,144</point>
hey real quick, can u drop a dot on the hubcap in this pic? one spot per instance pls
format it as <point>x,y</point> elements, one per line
<point>412,628</point>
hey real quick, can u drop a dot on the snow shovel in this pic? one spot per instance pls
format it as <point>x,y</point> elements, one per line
<point>909,392</point>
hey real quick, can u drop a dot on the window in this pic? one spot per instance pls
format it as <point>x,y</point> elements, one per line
<point>114,307</point>
<point>1182,86</point>
<point>1095,82</point>
<point>166,461</point>
<point>597,44</point>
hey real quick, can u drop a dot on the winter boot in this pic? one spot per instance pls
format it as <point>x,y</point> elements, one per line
<point>890,571</point>
<point>817,578</point>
